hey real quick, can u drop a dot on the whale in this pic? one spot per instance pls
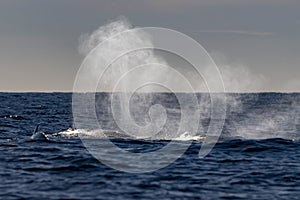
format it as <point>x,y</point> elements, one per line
<point>37,135</point>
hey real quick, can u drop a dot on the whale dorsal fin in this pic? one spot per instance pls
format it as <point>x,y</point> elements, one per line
<point>36,129</point>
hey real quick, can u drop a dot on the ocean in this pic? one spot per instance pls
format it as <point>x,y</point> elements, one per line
<point>257,156</point>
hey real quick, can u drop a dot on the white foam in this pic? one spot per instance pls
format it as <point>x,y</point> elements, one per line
<point>187,136</point>
<point>71,133</point>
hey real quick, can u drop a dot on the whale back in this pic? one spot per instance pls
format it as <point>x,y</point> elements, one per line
<point>38,135</point>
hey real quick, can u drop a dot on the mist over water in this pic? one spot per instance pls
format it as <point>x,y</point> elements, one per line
<point>128,78</point>
<point>133,74</point>
<point>116,76</point>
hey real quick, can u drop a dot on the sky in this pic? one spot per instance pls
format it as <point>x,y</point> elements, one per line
<point>258,40</point>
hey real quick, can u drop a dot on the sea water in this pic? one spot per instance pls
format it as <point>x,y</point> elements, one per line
<point>256,157</point>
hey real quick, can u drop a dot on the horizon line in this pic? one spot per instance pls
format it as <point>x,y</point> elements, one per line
<point>231,92</point>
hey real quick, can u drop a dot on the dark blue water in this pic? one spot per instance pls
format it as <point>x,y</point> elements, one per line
<point>263,163</point>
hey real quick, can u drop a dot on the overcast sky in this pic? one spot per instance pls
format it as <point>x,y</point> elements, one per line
<point>39,38</point>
